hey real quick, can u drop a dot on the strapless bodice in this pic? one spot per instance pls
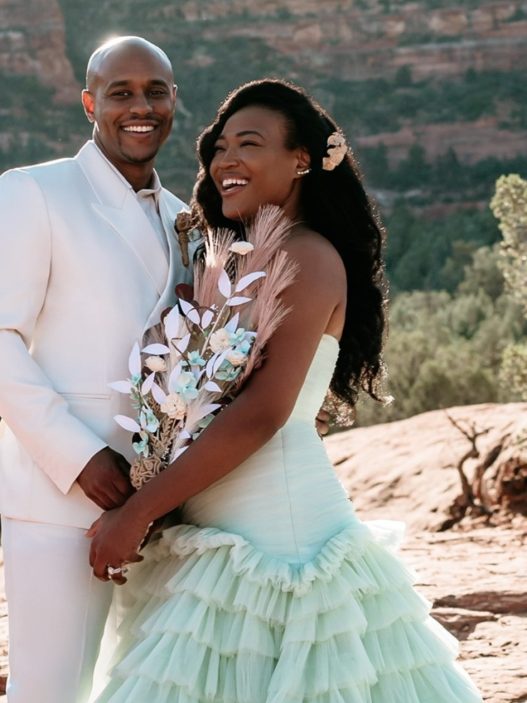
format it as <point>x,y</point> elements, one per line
<point>286,498</point>
<point>317,380</point>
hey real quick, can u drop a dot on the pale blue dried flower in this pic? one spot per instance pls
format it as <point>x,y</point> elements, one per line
<point>148,420</point>
<point>142,446</point>
<point>194,359</point>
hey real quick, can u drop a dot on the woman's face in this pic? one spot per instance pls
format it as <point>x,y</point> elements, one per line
<point>252,166</point>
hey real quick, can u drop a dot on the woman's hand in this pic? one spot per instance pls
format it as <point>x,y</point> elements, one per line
<point>116,539</point>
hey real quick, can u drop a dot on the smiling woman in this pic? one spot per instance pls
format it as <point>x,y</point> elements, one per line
<point>251,164</point>
<point>130,97</point>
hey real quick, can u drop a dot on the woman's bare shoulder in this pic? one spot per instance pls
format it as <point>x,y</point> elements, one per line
<point>315,254</point>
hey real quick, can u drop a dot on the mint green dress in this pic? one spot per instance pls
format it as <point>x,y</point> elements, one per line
<point>275,592</point>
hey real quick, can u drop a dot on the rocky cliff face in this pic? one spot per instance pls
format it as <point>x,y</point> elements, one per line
<point>368,40</point>
<point>372,39</point>
<point>33,43</point>
<point>327,46</point>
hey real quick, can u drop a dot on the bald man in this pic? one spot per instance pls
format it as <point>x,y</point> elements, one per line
<point>88,262</point>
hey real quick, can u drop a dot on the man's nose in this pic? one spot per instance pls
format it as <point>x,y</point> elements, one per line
<point>141,104</point>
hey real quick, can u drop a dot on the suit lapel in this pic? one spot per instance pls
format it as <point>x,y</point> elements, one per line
<point>115,201</point>
<point>133,226</point>
<point>177,272</point>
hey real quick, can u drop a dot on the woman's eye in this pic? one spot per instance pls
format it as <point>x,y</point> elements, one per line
<point>218,147</point>
<point>249,144</point>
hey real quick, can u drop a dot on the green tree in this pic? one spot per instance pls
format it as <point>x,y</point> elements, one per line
<point>448,349</point>
<point>484,273</point>
<point>509,206</point>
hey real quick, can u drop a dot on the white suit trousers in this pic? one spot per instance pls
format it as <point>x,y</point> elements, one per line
<point>57,611</point>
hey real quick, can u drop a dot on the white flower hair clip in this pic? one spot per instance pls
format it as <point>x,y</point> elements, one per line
<point>337,150</point>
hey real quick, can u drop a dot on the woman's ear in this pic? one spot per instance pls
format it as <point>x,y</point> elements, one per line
<point>303,165</point>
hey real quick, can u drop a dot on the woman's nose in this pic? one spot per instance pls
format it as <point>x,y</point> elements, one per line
<point>228,156</point>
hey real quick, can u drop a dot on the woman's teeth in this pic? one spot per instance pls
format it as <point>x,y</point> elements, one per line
<point>231,182</point>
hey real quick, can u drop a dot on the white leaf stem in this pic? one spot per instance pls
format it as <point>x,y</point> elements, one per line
<point>212,386</point>
<point>190,312</point>
<point>121,386</point>
<point>127,423</point>
<point>232,324</point>
<point>148,383</point>
<point>174,375</point>
<point>134,360</point>
<point>182,344</point>
<point>158,393</point>
<point>172,323</point>
<point>156,349</point>
<point>207,318</point>
<point>246,281</point>
<point>224,284</point>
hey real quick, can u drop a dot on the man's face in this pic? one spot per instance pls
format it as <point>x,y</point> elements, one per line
<point>131,100</point>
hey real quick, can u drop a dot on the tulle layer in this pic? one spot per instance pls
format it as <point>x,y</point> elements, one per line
<point>217,621</point>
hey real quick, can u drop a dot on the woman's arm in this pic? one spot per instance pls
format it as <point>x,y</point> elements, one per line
<point>316,303</point>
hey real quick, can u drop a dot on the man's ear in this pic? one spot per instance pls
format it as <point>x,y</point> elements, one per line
<point>88,105</point>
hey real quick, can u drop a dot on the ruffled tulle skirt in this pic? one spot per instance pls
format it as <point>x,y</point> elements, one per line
<point>215,620</point>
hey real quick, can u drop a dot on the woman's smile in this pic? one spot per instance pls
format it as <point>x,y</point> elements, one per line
<point>231,186</point>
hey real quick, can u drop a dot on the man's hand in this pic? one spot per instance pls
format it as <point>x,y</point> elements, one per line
<point>104,479</point>
<point>322,422</point>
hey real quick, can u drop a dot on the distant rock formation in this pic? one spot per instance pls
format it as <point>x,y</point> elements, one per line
<point>375,39</point>
<point>407,469</point>
<point>33,43</point>
<point>343,40</point>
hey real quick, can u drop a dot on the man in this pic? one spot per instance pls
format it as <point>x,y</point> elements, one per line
<point>88,262</point>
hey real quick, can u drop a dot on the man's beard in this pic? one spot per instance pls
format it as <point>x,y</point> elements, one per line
<point>143,159</point>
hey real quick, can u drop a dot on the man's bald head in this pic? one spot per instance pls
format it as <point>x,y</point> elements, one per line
<point>130,100</point>
<point>121,47</point>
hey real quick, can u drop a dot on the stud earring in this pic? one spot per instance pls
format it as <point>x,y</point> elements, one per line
<point>303,172</point>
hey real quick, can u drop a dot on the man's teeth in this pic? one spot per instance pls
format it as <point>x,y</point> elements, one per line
<point>139,128</point>
<point>230,182</point>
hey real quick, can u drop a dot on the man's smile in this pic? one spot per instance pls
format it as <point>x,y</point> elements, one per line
<point>141,129</point>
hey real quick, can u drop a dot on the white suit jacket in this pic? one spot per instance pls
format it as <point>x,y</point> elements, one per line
<point>81,277</point>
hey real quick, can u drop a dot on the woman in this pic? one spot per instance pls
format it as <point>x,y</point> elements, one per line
<point>274,591</point>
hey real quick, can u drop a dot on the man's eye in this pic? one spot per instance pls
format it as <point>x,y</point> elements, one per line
<point>158,93</point>
<point>120,94</point>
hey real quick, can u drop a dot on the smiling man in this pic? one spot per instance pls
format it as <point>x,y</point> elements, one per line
<point>130,97</point>
<point>88,262</point>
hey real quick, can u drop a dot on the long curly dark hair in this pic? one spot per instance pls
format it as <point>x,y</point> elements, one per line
<point>332,203</point>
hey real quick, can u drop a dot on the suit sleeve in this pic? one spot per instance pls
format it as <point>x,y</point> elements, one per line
<point>59,443</point>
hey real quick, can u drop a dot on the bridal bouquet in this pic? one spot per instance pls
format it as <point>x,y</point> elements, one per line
<point>198,357</point>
